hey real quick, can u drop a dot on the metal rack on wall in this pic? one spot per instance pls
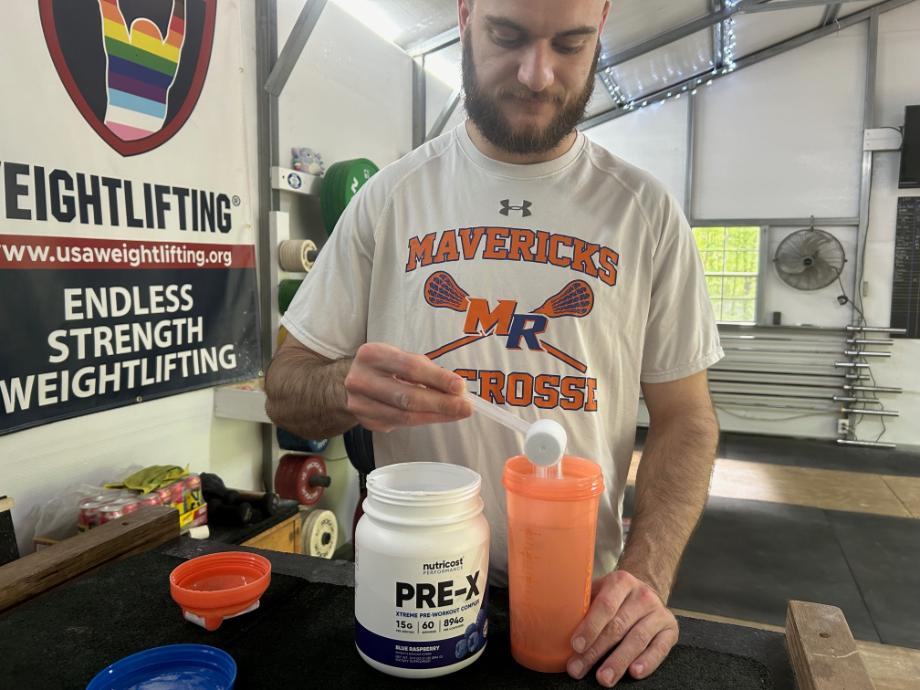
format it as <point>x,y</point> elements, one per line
<point>791,372</point>
<point>860,392</point>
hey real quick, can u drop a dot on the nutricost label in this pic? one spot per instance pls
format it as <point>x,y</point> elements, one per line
<point>435,619</point>
<point>421,585</point>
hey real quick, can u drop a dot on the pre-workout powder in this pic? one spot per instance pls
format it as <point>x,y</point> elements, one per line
<point>421,570</point>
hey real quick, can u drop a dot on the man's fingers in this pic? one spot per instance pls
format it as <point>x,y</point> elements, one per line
<point>639,604</point>
<point>649,661</point>
<point>376,416</point>
<point>406,397</point>
<point>634,609</point>
<point>636,642</point>
<point>604,608</point>
<point>410,367</point>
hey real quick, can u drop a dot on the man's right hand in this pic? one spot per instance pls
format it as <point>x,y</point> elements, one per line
<point>389,388</point>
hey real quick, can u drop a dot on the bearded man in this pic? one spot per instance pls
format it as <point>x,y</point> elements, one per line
<point>513,259</point>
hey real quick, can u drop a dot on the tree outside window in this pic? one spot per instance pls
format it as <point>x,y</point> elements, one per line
<point>731,261</point>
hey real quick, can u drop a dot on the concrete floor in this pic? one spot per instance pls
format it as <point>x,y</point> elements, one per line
<point>809,520</point>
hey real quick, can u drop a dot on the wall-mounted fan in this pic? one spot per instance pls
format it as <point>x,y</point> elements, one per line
<point>809,259</point>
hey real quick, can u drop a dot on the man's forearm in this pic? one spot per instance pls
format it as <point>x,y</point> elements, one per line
<point>671,490</point>
<point>306,397</point>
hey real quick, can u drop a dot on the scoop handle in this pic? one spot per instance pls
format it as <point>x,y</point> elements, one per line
<point>497,414</point>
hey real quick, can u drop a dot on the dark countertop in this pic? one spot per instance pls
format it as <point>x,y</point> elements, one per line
<point>302,634</point>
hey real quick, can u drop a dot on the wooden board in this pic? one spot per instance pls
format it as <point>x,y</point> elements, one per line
<point>822,650</point>
<point>284,537</point>
<point>33,574</point>
<point>889,667</point>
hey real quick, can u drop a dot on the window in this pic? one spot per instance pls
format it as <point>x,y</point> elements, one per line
<point>731,261</point>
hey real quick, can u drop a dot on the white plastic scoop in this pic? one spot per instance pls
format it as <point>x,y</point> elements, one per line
<point>544,440</point>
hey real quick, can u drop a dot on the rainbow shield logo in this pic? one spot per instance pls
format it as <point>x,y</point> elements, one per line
<point>133,68</point>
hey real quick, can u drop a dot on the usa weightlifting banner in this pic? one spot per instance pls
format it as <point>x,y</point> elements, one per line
<point>127,259</point>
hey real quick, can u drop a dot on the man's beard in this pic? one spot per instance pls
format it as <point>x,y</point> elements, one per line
<point>486,113</point>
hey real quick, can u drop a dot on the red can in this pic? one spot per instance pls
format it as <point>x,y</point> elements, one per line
<point>192,482</point>
<point>165,495</point>
<point>128,505</point>
<point>89,514</point>
<point>150,500</point>
<point>177,492</point>
<point>110,512</point>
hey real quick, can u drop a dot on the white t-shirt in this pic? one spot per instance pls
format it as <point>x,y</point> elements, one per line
<point>554,288</point>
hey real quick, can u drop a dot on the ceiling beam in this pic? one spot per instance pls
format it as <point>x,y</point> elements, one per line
<point>777,5</point>
<point>718,47</point>
<point>614,90</point>
<point>830,14</point>
<point>452,35</point>
<point>704,78</point>
<point>667,37</point>
<point>446,111</point>
<point>434,44</point>
<point>294,46</point>
<point>715,18</point>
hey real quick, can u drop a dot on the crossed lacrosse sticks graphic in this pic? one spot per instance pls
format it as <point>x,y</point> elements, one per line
<point>575,299</point>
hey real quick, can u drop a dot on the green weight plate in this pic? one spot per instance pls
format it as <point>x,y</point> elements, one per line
<point>286,291</point>
<point>336,204</point>
<point>358,173</point>
<point>341,183</point>
<point>328,196</point>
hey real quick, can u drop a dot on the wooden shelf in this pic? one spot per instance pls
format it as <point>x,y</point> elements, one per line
<point>283,537</point>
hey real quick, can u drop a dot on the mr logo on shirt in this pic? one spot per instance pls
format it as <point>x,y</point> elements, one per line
<point>575,299</point>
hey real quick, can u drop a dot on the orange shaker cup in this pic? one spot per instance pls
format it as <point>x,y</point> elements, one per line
<point>551,529</point>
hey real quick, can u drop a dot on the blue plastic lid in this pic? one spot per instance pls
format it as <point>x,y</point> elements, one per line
<point>185,666</point>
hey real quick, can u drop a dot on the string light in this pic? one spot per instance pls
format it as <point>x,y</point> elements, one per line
<point>692,83</point>
<point>729,39</point>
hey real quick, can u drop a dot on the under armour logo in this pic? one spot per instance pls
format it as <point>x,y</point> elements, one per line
<point>524,208</point>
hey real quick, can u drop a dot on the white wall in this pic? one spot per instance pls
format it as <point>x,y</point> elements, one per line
<point>655,139</point>
<point>348,96</point>
<point>782,139</point>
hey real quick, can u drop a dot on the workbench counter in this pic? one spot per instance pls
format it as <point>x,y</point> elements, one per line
<point>302,634</point>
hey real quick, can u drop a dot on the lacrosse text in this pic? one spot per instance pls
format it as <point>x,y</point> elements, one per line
<point>545,391</point>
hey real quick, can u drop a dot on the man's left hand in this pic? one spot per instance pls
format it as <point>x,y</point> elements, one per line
<point>628,616</point>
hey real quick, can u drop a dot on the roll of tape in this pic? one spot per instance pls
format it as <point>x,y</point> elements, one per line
<point>301,478</point>
<point>297,256</point>
<point>286,291</point>
<point>320,534</point>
